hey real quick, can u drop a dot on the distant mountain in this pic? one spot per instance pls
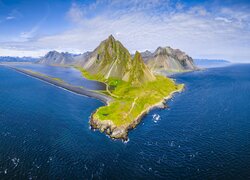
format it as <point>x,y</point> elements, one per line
<point>112,59</point>
<point>147,55</point>
<point>17,59</point>
<point>208,63</point>
<point>57,58</point>
<point>167,60</point>
<point>81,59</point>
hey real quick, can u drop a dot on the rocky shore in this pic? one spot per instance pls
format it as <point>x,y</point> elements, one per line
<point>121,132</point>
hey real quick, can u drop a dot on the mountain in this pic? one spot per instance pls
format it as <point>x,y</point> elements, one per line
<point>109,59</point>
<point>80,60</point>
<point>167,60</point>
<point>209,63</point>
<point>17,59</point>
<point>147,55</point>
<point>112,59</point>
<point>56,58</point>
<point>139,72</point>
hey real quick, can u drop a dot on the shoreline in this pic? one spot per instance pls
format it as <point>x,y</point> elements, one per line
<point>75,89</point>
<point>104,126</point>
<point>121,132</point>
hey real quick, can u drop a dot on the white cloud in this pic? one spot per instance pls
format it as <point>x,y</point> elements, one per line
<point>199,32</point>
<point>75,13</point>
<point>223,19</point>
<point>14,14</point>
<point>10,17</point>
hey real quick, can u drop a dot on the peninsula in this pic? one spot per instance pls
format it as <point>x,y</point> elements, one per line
<point>135,90</point>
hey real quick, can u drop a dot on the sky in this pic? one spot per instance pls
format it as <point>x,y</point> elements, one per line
<point>212,29</point>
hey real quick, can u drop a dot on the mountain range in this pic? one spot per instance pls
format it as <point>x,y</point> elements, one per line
<point>112,59</point>
<point>17,59</point>
<point>167,60</point>
<point>57,58</point>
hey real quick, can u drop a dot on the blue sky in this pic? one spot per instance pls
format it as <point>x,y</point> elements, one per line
<point>203,29</point>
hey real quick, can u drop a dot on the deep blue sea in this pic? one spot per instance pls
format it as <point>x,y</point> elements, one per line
<point>204,134</point>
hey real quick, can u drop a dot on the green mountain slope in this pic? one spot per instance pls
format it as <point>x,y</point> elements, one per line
<point>139,72</point>
<point>112,60</point>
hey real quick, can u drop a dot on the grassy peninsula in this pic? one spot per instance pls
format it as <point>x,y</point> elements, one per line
<point>134,89</point>
<point>130,103</point>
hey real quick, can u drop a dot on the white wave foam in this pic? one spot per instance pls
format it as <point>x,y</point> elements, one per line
<point>156,117</point>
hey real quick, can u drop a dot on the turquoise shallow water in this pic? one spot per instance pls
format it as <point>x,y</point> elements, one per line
<point>205,134</point>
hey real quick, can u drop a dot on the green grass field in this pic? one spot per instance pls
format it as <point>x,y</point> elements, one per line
<point>130,101</point>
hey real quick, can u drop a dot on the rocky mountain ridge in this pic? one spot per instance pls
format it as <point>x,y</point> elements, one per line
<point>112,59</point>
<point>167,60</point>
<point>57,58</point>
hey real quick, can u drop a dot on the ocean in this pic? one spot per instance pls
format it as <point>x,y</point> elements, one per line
<point>204,134</point>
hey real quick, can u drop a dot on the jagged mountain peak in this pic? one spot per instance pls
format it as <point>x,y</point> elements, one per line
<point>111,37</point>
<point>110,41</point>
<point>163,50</point>
<point>137,55</point>
<point>168,60</point>
<point>159,49</point>
<point>139,72</point>
<point>57,58</point>
<point>112,47</point>
<point>52,52</point>
<point>147,51</point>
<point>137,59</point>
<point>109,59</point>
<point>112,60</point>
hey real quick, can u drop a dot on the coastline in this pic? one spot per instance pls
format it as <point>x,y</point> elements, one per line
<point>104,126</point>
<point>75,89</point>
<point>121,132</point>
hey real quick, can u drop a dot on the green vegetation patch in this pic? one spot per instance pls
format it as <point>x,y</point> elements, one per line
<point>94,77</point>
<point>130,101</point>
